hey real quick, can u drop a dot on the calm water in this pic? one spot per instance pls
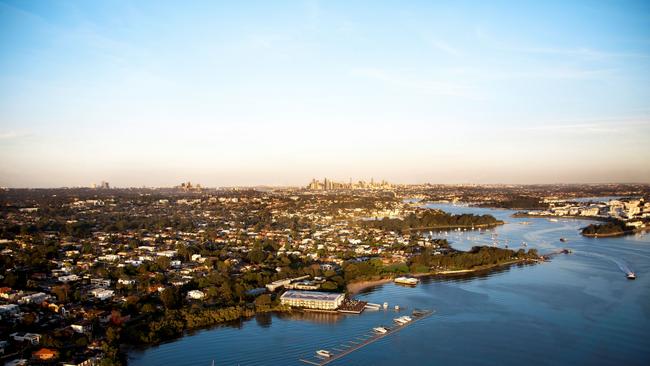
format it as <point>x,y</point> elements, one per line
<point>577,309</point>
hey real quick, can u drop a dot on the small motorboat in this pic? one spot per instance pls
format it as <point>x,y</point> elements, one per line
<point>402,319</point>
<point>324,353</point>
<point>631,276</point>
<point>406,281</point>
<point>380,330</point>
<point>563,240</point>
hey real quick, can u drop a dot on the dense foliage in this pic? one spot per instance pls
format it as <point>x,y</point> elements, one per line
<point>433,219</point>
<point>172,323</point>
<point>428,261</point>
<point>478,256</point>
<point>518,203</point>
<point>609,228</point>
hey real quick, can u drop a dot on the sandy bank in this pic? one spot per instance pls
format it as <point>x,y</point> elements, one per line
<point>356,287</point>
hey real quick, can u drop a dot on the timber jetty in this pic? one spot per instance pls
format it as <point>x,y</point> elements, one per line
<point>323,357</point>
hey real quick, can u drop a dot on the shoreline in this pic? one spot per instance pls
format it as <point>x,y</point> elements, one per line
<point>447,227</point>
<point>591,218</point>
<point>608,235</point>
<point>619,233</point>
<point>355,288</point>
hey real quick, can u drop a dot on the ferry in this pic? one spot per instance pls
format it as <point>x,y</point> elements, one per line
<point>324,353</point>
<point>406,281</point>
<point>380,330</point>
<point>631,276</point>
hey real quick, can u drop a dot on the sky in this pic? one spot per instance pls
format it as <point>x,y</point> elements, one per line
<point>154,93</point>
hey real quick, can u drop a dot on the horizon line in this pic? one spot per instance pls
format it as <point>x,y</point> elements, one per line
<point>280,186</point>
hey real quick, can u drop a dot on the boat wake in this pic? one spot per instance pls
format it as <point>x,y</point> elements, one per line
<point>538,235</point>
<point>622,265</point>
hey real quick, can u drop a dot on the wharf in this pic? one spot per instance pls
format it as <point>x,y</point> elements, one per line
<point>365,339</point>
<point>352,307</point>
<point>548,256</point>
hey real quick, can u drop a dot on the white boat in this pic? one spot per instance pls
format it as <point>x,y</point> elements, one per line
<point>385,305</point>
<point>402,319</point>
<point>631,276</point>
<point>324,353</point>
<point>553,220</point>
<point>406,281</point>
<point>380,330</point>
<point>372,306</point>
<point>396,307</point>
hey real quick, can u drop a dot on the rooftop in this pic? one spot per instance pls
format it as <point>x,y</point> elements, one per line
<point>312,295</point>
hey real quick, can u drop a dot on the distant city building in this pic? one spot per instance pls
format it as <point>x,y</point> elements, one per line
<point>188,186</point>
<point>102,185</point>
<point>329,185</point>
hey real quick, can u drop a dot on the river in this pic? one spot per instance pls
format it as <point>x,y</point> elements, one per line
<point>577,309</point>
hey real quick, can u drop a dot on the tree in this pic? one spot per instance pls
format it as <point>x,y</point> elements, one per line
<point>329,286</point>
<point>29,319</point>
<point>61,292</point>
<point>163,262</point>
<point>263,302</point>
<point>256,256</point>
<point>226,292</point>
<point>171,297</point>
<point>148,308</point>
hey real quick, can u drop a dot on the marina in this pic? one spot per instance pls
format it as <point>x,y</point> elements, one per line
<point>323,357</point>
<point>351,306</point>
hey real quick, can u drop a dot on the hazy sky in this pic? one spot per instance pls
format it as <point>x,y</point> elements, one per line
<point>273,92</point>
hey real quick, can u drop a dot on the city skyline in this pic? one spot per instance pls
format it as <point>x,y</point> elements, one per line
<point>150,93</point>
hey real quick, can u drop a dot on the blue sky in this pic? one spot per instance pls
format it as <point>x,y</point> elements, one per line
<point>277,92</point>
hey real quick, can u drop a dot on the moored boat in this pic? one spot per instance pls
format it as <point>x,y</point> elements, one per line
<point>406,281</point>
<point>324,353</point>
<point>380,330</point>
<point>402,319</point>
<point>372,306</point>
